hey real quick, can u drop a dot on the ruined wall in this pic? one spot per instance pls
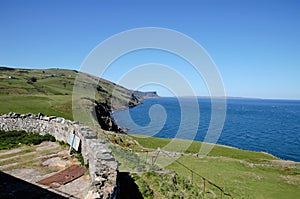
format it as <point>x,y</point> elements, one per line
<point>102,165</point>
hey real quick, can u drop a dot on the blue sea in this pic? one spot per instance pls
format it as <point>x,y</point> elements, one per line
<point>271,126</point>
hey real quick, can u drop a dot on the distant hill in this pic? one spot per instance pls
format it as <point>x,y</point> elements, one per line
<point>50,91</point>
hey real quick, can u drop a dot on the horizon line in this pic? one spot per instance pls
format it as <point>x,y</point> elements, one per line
<point>228,97</point>
<point>198,96</point>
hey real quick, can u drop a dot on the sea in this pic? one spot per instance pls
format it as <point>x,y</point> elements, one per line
<point>263,125</point>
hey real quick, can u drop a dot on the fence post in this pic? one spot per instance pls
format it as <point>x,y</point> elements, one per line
<point>203,187</point>
<point>146,157</point>
<point>153,162</point>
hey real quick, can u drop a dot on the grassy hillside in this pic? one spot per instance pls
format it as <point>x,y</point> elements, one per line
<point>50,91</point>
<point>242,173</point>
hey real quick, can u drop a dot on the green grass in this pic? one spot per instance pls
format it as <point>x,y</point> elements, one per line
<point>242,180</point>
<point>48,105</point>
<point>144,188</point>
<point>48,95</point>
<point>130,161</point>
<point>243,174</point>
<point>157,185</point>
<point>195,146</point>
<point>12,139</point>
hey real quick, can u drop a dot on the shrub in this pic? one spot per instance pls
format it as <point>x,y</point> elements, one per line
<point>31,80</point>
<point>11,139</point>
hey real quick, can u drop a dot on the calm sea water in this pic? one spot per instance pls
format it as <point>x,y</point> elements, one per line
<point>271,126</point>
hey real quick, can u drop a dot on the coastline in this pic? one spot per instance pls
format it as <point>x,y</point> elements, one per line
<point>126,130</point>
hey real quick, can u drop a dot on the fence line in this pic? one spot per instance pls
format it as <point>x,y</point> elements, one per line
<point>205,180</point>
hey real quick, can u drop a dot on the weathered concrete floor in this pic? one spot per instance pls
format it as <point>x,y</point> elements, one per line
<point>35,163</point>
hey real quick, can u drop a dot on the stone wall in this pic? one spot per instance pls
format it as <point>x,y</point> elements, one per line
<point>102,165</point>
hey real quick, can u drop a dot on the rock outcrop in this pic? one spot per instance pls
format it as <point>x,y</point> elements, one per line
<point>143,95</point>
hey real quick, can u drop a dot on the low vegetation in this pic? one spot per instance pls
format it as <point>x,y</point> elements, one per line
<point>171,186</point>
<point>130,161</point>
<point>12,139</point>
<point>195,146</point>
<point>243,174</point>
<point>144,188</point>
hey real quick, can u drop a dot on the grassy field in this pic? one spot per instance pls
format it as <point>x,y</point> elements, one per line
<point>194,147</point>
<point>48,105</point>
<point>243,174</point>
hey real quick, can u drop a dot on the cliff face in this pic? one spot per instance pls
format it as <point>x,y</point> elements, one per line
<point>50,91</point>
<point>148,94</point>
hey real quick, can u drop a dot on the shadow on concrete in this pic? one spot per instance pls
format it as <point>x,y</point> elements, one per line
<point>128,188</point>
<point>12,188</point>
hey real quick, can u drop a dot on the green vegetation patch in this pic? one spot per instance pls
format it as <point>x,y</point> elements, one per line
<point>195,146</point>
<point>12,139</point>
<point>60,106</point>
<point>241,173</point>
<point>144,188</point>
<point>242,179</point>
<point>168,186</point>
<point>128,160</point>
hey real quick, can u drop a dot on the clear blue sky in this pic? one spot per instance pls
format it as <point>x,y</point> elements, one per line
<point>254,43</point>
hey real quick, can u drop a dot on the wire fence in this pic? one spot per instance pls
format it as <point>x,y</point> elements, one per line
<point>205,181</point>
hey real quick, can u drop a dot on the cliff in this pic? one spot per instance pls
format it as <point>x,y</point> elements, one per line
<point>149,94</point>
<point>50,91</point>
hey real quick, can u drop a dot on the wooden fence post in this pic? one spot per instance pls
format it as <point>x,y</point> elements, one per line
<point>146,157</point>
<point>203,187</point>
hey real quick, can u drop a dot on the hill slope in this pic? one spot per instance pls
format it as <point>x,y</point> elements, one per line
<point>50,91</point>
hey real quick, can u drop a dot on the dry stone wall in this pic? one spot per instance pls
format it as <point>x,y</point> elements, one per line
<point>102,165</point>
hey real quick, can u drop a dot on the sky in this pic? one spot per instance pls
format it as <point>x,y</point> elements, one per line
<point>255,44</point>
